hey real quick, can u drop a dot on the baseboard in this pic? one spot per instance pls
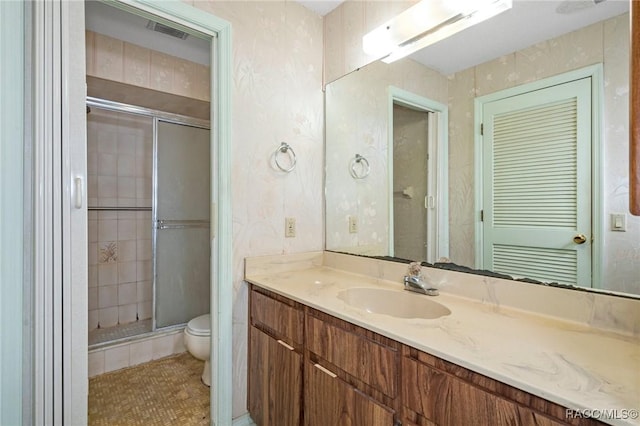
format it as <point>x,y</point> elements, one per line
<point>243,420</point>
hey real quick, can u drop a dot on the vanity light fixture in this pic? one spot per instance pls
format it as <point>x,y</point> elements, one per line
<point>426,23</point>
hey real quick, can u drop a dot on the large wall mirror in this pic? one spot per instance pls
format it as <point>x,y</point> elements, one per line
<point>402,140</point>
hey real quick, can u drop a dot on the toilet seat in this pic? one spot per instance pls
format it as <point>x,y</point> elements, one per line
<point>200,326</point>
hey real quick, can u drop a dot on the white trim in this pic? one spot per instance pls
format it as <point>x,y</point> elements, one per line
<point>595,72</point>
<point>74,232</point>
<point>47,246</point>
<point>438,177</point>
<point>14,346</point>
<point>243,420</point>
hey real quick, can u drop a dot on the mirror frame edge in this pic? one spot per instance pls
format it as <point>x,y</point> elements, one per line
<point>634,111</point>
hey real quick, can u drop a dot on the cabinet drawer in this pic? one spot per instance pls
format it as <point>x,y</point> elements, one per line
<point>276,317</point>
<point>371,362</point>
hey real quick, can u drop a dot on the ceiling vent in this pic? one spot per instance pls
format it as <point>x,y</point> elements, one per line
<point>164,29</point>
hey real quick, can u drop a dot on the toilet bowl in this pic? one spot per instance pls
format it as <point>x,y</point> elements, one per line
<point>197,339</point>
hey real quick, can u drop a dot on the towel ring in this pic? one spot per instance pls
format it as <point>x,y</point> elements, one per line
<point>364,167</point>
<point>285,147</point>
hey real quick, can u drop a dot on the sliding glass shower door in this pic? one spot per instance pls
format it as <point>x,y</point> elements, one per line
<point>181,218</point>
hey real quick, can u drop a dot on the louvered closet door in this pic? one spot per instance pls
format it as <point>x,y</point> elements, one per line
<point>537,184</point>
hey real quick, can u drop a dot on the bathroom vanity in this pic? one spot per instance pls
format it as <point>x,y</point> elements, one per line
<point>322,353</point>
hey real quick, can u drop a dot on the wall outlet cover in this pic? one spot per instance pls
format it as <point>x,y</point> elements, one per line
<point>289,227</point>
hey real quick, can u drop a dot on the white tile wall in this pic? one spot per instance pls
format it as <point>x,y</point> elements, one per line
<point>116,358</point>
<point>135,352</point>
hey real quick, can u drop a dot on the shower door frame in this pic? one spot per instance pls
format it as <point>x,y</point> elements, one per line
<point>185,121</point>
<point>154,116</point>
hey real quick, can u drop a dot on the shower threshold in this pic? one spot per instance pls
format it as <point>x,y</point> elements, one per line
<point>119,332</point>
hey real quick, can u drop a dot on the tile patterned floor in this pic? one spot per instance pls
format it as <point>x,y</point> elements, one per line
<point>163,392</point>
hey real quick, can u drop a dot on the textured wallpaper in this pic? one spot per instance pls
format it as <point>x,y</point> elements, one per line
<point>277,96</point>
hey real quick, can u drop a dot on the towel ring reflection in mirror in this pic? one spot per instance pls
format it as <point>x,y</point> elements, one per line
<point>361,172</point>
<point>285,148</point>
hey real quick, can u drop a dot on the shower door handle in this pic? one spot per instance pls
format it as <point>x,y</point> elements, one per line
<point>181,224</point>
<point>77,197</point>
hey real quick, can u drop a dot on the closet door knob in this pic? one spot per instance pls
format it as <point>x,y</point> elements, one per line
<point>580,239</point>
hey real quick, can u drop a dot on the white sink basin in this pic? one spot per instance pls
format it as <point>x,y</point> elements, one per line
<point>399,304</point>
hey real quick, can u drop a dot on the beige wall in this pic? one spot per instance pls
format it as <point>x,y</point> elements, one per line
<point>277,96</point>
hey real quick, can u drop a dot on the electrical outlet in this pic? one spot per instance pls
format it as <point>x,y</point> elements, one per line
<point>353,224</point>
<point>289,227</point>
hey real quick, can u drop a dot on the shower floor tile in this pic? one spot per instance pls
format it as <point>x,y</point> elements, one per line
<point>162,392</point>
<point>101,335</point>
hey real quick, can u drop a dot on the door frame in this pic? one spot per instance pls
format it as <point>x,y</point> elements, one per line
<point>59,394</point>
<point>437,169</point>
<point>595,72</point>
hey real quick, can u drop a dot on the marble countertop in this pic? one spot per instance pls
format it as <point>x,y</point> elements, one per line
<point>569,363</point>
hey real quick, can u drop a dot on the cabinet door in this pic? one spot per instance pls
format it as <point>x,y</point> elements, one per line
<point>331,402</point>
<point>275,381</point>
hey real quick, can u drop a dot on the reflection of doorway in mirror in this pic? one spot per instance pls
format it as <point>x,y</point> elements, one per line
<point>410,176</point>
<point>417,177</point>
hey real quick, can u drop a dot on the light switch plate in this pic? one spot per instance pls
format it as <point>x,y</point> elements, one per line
<point>618,222</point>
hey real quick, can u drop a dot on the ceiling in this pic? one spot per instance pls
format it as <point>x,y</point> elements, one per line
<point>321,7</point>
<point>527,23</point>
<point>113,22</point>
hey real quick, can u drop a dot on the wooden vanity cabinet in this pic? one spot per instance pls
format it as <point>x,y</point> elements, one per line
<point>276,337</point>
<point>313,369</point>
<point>437,392</point>
<point>351,374</point>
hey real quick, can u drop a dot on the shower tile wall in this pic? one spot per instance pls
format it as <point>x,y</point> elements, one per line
<point>119,168</point>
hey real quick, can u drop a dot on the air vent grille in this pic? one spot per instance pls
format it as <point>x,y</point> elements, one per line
<point>164,29</point>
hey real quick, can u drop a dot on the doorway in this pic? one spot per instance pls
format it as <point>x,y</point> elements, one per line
<point>410,183</point>
<point>60,301</point>
<point>418,177</point>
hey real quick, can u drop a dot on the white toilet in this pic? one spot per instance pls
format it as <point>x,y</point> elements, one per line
<point>197,339</point>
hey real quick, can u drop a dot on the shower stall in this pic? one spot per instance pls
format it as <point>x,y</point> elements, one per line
<point>149,175</point>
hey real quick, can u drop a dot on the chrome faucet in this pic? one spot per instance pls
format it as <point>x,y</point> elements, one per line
<point>417,284</point>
